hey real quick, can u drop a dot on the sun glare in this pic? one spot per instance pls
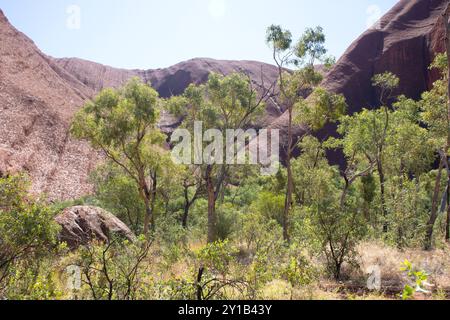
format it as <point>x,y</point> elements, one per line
<point>217,8</point>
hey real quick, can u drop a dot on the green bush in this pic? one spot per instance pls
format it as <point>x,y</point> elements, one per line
<point>27,229</point>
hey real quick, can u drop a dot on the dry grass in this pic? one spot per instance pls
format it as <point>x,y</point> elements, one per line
<point>436,263</point>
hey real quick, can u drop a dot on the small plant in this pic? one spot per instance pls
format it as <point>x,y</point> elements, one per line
<point>217,256</point>
<point>212,279</point>
<point>298,273</point>
<point>418,278</point>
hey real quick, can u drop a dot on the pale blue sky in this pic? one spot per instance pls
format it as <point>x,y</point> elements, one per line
<point>151,34</point>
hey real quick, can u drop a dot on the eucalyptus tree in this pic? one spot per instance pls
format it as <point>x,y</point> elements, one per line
<point>435,104</point>
<point>333,205</point>
<point>387,82</point>
<point>123,125</point>
<point>221,105</point>
<point>323,107</point>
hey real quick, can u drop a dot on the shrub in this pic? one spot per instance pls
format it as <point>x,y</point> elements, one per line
<point>27,229</point>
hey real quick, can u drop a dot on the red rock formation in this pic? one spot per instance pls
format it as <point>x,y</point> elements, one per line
<point>170,81</point>
<point>405,42</point>
<point>37,101</point>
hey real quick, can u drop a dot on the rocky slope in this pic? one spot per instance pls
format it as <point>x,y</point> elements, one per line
<point>37,101</point>
<point>405,42</point>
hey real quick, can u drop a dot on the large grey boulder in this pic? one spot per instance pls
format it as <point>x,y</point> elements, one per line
<point>83,224</point>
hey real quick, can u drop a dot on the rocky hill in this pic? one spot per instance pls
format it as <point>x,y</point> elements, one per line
<point>405,42</point>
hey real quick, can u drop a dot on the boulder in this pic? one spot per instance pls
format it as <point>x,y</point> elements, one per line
<point>83,224</point>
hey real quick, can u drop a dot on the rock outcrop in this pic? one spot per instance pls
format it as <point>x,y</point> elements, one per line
<point>83,224</point>
<point>404,42</point>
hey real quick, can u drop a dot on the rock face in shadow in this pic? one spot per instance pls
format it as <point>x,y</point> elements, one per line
<point>83,224</point>
<point>404,42</point>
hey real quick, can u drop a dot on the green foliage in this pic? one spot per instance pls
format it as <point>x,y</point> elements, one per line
<point>117,193</point>
<point>333,209</point>
<point>408,203</point>
<point>34,280</point>
<point>418,277</point>
<point>409,148</point>
<point>224,102</point>
<point>123,125</point>
<point>27,229</point>
<point>329,62</point>
<point>433,106</point>
<point>297,271</point>
<point>321,108</point>
<point>278,38</point>
<point>270,206</point>
<point>387,81</point>
<point>368,188</point>
<point>393,143</point>
<point>312,45</point>
<point>216,262</point>
<point>363,134</point>
<point>113,271</point>
<point>257,231</point>
<point>13,191</point>
<point>113,116</point>
<point>226,221</point>
<point>338,227</point>
<point>440,63</point>
<point>217,256</point>
<point>313,113</point>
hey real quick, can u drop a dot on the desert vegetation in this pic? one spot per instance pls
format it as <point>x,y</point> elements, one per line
<point>377,227</point>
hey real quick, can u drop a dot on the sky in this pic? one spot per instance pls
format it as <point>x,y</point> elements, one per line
<point>150,34</point>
